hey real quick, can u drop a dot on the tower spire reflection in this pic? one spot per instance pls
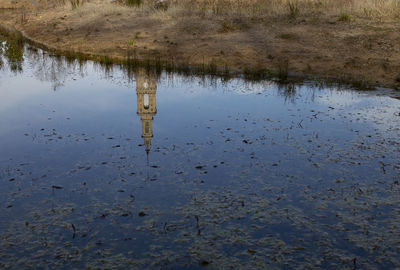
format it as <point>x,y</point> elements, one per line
<point>146,89</point>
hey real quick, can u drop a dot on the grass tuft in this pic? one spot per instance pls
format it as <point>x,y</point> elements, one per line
<point>133,3</point>
<point>344,17</point>
<point>294,9</point>
<point>76,3</point>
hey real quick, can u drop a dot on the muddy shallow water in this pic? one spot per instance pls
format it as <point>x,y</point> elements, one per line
<point>104,168</point>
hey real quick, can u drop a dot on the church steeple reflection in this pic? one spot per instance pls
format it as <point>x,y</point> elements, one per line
<point>146,89</point>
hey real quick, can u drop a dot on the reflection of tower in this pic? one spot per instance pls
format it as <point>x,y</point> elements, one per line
<point>146,103</point>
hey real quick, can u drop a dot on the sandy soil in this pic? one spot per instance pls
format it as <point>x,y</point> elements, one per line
<point>360,50</point>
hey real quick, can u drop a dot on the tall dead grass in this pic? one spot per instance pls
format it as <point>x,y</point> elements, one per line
<point>257,8</point>
<point>375,9</point>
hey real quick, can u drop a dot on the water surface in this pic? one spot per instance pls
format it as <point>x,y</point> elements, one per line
<point>104,168</point>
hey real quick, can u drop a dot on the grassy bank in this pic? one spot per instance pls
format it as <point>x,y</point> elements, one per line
<point>348,40</point>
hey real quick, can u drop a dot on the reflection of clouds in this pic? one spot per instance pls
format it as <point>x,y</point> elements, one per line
<point>42,73</point>
<point>11,96</point>
<point>337,97</point>
<point>248,88</point>
<point>379,111</point>
<point>383,117</point>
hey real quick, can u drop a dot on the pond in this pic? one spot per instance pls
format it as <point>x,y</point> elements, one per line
<point>104,168</point>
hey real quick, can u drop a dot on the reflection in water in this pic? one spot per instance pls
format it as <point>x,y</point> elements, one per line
<point>45,67</point>
<point>1,58</point>
<point>146,89</point>
<point>267,176</point>
<point>13,51</point>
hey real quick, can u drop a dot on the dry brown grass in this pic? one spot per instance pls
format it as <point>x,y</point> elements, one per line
<point>96,9</point>
<point>261,8</point>
<point>254,9</point>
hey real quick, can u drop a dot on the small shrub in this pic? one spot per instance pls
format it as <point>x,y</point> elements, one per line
<point>76,3</point>
<point>235,24</point>
<point>162,4</point>
<point>226,27</point>
<point>288,36</point>
<point>133,3</point>
<point>133,41</point>
<point>344,17</point>
<point>368,12</point>
<point>293,9</point>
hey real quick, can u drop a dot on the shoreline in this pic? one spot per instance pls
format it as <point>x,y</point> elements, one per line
<point>208,54</point>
